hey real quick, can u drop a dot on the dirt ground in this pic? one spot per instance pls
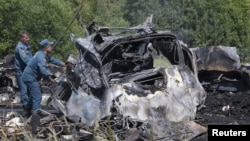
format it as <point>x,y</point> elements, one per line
<point>225,108</point>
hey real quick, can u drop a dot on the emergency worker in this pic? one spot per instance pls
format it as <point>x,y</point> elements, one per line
<point>36,70</point>
<point>22,56</point>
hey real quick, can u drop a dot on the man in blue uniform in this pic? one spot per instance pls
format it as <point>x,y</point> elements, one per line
<point>36,70</point>
<point>22,56</point>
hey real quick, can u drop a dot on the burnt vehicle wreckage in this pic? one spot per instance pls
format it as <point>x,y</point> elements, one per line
<point>113,90</point>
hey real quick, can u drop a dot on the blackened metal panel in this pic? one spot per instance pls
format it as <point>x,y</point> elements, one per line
<point>219,58</point>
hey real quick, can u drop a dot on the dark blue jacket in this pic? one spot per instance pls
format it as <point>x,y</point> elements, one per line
<point>37,67</point>
<point>22,56</point>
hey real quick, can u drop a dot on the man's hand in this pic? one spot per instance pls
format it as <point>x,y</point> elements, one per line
<point>51,80</point>
<point>64,64</point>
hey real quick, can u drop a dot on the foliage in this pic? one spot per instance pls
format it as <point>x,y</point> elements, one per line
<point>197,23</point>
<point>42,19</point>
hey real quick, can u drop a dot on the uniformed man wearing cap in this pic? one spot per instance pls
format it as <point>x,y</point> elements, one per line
<point>36,70</point>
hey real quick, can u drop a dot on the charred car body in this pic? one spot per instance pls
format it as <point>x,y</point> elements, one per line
<point>226,81</point>
<point>114,75</point>
<point>219,69</point>
<point>8,85</point>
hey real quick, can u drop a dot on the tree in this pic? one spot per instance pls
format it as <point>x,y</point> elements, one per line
<point>43,19</point>
<point>197,23</point>
<point>103,12</point>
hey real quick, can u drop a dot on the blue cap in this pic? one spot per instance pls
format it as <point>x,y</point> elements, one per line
<point>45,42</point>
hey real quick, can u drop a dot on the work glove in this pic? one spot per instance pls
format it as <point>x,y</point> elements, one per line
<point>53,76</point>
<point>53,79</point>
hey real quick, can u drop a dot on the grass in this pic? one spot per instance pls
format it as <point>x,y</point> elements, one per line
<point>163,62</point>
